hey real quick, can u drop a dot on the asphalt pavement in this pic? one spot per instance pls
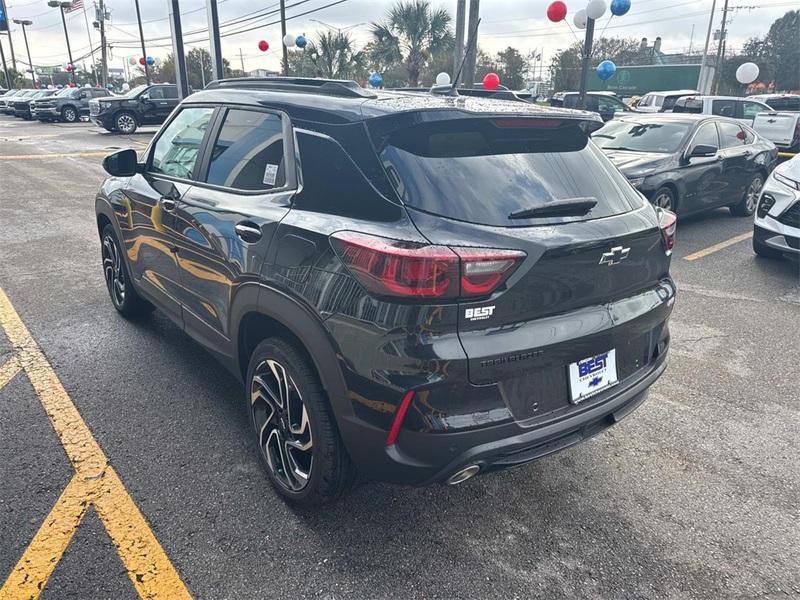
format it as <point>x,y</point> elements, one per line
<point>695,495</point>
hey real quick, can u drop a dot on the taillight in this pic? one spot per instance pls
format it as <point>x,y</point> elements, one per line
<point>387,267</point>
<point>668,223</point>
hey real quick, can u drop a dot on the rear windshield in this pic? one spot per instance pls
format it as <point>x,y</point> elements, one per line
<point>688,106</point>
<point>669,102</point>
<point>641,137</point>
<point>483,170</point>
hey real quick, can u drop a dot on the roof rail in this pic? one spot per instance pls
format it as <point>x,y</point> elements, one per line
<point>329,87</point>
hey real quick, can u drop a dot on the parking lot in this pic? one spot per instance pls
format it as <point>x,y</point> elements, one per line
<point>695,495</point>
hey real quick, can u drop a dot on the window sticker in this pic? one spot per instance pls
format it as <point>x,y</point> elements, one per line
<point>270,174</point>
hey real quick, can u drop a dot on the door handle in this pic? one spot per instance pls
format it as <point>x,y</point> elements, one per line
<point>249,232</point>
<point>168,204</point>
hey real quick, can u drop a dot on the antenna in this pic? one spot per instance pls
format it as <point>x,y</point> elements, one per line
<point>473,40</point>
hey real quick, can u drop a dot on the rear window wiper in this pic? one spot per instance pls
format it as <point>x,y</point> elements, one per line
<point>575,207</point>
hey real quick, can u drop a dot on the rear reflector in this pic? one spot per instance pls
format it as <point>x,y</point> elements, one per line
<point>399,417</point>
<point>402,269</point>
<point>668,223</point>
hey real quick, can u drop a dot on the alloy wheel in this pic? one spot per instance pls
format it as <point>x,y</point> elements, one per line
<point>753,192</point>
<point>663,200</point>
<point>113,271</point>
<point>69,115</point>
<point>125,123</point>
<point>282,425</point>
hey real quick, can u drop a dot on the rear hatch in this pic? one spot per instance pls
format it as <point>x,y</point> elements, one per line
<point>591,282</point>
<point>779,128</point>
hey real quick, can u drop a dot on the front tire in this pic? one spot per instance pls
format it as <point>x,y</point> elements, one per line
<point>747,206</point>
<point>125,123</point>
<point>299,443</point>
<point>118,282</point>
<point>69,114</point>
<point>665,198</point>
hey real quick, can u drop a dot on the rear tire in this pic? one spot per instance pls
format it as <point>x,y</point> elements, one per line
<point>747,206</point>
<point>300,446</point>
<point>665,198</point>
<point>118,282</point>
<point>765,251</point>
<point>69,114</point>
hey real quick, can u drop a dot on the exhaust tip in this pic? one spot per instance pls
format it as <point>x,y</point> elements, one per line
<point>464,474</point>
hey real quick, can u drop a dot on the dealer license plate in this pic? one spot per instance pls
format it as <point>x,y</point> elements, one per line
<point>591,375</point>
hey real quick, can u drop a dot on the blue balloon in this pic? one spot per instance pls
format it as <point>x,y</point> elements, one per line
<point>606,70</point>
<point>620,7</point>
<point>151,61</point>
<point>301,41</point>
<point>109,86</point>
<point>375,80</point>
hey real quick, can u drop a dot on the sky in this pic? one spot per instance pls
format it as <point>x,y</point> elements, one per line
<point>520,23</point>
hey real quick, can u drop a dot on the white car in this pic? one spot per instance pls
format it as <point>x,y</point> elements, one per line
<point>654,102</point>
<point>777,221</point>
<point>733,107</point>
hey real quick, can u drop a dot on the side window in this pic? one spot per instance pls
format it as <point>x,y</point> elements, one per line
<point>570,101</point>
<point>724,108</point>
<point>731,135</point>
<point>610,105</point>
<point>706,136</point>
<point>647,101</point>
<point>176,150</point>
<point>778,104</point>
<point>793,104</point>
<point>751,109</point>
<point>156,93</point>
<point>248,154</point>
<point>749,135</point>
<point>170,91</point>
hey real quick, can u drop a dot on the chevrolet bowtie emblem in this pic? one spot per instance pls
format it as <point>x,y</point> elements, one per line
<point>614,256</point>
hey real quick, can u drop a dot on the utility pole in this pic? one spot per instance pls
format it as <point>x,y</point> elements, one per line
<point>103,49</point>
<point>241,58</point>
<point>181,76</point>
<point>144,51</point>
<point>7,28</point>
<point>27,48</point>
<point>720,47</point>
<point>218,72</point>
<point>283,35</point>
<point>91,47</point>
<point>703,78</point>
<point>586,61</point>
<point>5,66</point>
<point>472,52</point>
<point>458,55</point>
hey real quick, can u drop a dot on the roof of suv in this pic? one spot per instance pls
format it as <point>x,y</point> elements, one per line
<point>350,103</point>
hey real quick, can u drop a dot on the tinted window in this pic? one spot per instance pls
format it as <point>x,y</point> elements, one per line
<point>749,135</point>
<point>610,105</point>
<point>788,103</point>
<point>481,171</point>
<point>176,150</point>
<point>730,135</point>
<point>751,109</point>
<point>669,102</point>
<point>170,91</point>
<point>724,108</point>
<point>646,101</point>
<point>688,106</point>
<point>706,136</point>
<point>248,154</point>
<point>641,137</point>
<point>156,93</point>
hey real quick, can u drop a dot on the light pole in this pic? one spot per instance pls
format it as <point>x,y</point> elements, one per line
<point>27,48</point>
<point>141,38</point>
<point>61,6</point>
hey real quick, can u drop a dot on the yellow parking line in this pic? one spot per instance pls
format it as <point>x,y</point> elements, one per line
<point>717,247</point>
<point>58,155</point>
<point>95,484</point>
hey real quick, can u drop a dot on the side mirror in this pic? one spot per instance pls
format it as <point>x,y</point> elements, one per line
<point>607,115</point>
<point>703,151</point>
<point>144,98</point>
<point>123,163</point>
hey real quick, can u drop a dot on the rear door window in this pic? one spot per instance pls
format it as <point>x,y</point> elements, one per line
<point>483,170</point>
<point>731,135</point>
<point>156,93</point>
<point>724,108</point>
<point>248,154</point>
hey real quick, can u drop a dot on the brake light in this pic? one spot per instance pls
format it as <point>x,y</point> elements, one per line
<point>402,269</point>
<point>668,223</point>
<point>527,123</point>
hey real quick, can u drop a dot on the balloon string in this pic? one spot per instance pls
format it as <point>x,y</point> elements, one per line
<point>573,33</point>
<point>606,27</point>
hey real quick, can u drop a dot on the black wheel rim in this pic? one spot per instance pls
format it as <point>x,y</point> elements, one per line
<point>281,423</point>
<point>125,123</point>
<point>113,271</point>
<point>753,192</point>
<point>663,200</point>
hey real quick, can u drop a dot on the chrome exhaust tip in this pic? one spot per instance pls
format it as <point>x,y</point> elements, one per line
<point>464,474</point>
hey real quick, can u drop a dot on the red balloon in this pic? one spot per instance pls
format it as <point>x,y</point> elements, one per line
<point>69,68</point>
<point>142,61</point>
<point>491,81</point>
<point>71,85</point>
<point>263,46</point>
<point>557,11</point>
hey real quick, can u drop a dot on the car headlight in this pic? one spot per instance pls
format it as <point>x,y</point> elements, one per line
<point>795,185</point>
<point>637,181</point>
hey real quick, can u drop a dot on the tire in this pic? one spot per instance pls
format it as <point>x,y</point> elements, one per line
<point>118,282</point>
<point>665,198</point>
<point>747,205</point>
<point>126,123</point>
<point>320,470</point>
<point>69,114</point>
<point>765,251</point>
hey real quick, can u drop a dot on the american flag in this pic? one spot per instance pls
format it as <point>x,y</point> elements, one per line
<point>76,5</point>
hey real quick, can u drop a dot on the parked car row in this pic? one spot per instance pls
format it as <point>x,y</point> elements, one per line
<point>143,105</point>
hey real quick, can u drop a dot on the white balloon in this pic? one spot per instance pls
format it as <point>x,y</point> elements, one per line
<point>443,79</point>
<point>747,72</point>
<point>126,87</point>
<point>579,19</point>
<point>289,40</point>
<point>50,86</point>
<point>596,9</point>
<point>87,85</point>
<point>132,61</point>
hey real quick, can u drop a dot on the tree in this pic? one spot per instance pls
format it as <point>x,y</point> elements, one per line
<point>412,34</point>
<point>198,67</point>
<point>18,79</point>
<point>334,56</point>
<point>513,68</point>
<point>782,49</point>
<point>565,69</point>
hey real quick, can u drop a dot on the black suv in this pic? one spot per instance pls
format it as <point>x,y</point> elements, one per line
<point>414,287</point>
<point>67,105</point>
<point>143,105</point>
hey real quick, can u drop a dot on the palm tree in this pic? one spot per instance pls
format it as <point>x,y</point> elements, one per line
<point>411,33</point>
<point>334,56</point>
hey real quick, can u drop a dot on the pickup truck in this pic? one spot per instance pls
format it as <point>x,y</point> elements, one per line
<point>781,128</point>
